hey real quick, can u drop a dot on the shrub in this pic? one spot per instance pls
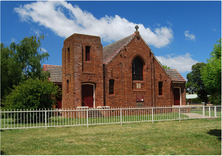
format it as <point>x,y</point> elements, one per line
<point>32,94</point>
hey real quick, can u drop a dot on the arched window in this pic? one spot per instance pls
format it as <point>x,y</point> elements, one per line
<point>137,69</point>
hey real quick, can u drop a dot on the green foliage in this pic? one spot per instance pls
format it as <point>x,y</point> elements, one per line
<point>32,94</point>
<point>196,100</point>
<point>195,84</point>
<point>164,66</point>
<point>20,62</point>
<point>211,74</point>
<point>215,98</point>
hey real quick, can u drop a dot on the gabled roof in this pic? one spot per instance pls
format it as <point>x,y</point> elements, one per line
<point>175,75</point>
<point>111,50</point>
<point>55,72</point>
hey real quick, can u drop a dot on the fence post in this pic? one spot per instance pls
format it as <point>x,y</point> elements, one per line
<point>209,112</point>
<point>215,111</point>
<point>1,119</point>
<point>179,113</point>
<point>152,114</point>
<point>87,117</point>
<point>45,119</point>
<point>203,112</point>
<point>121,116</point>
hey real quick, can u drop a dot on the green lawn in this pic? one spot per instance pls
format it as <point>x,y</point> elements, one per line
<point>212,113</point>
<point>187,137</point>
<point>69,120</point>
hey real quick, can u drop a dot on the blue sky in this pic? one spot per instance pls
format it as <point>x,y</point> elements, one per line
<point>180,34</point>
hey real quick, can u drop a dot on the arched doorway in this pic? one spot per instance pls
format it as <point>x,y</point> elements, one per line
<point>88,95</point>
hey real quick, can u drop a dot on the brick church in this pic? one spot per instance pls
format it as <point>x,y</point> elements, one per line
<point>123,74</point>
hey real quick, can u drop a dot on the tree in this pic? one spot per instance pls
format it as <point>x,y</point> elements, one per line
<point>211,74</point>
<point>164,66</point>
<point>20,62</point>
<point>32,94</point>
<point>195,84</point>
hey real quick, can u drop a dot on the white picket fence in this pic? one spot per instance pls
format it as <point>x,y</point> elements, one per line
<point>83,116</point>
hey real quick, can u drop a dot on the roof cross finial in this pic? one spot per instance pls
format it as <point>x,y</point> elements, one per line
<point>136,27</point>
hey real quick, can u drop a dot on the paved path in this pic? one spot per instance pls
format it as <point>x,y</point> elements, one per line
<point>195,115</point>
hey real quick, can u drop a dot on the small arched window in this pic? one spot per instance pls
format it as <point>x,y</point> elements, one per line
<point>137,69</point>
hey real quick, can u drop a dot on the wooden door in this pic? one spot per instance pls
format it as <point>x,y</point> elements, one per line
<point>87,95</point>
<point>59,105</point>
<point>176,93</point>
<point>59,101</point>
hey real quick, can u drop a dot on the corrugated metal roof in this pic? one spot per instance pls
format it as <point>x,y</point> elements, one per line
<point>55,72</point>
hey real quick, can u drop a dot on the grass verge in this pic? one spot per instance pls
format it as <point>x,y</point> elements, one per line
<point>188,137</point>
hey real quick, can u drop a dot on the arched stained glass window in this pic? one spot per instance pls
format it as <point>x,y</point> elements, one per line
<point>137,69</point>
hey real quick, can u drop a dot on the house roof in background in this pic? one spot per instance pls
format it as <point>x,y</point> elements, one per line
<point>175,75</point>
<point>55,72</point>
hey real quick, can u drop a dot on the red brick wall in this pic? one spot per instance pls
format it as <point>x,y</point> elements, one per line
<point>183,92</point>
<point>79,71</point>
<point>124,90</point>
<point>161,76</point>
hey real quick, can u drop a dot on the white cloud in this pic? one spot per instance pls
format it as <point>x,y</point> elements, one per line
<point>158,24</point>
<point>36,31</point>
<point>183,63</point>
<point>51,15</point>
<point>43,50</point>
<point>189,36</point>
<point>13,40</point>
<point>170,23</point>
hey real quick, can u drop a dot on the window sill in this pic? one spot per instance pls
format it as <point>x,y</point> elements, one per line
<point>138,81</point>
<point>138,90</point>
<point>111,94</point>
<point>88,73</point>
<point>160,96</point>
